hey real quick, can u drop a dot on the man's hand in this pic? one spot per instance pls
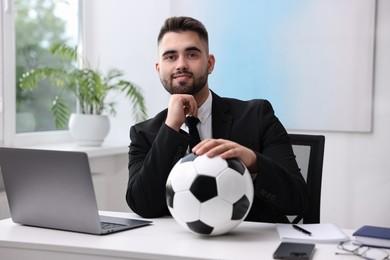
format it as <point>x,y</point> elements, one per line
<point>179,106</point>
<point>227,149</point>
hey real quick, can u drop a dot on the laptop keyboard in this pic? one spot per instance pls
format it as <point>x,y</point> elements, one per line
<point>108,225</point>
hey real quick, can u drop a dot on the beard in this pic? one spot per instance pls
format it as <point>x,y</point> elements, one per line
<point>191,88</point>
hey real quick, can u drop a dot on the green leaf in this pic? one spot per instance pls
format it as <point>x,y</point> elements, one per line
<point>60,112</point>
<point>89,86</point>
<point>64,51</point>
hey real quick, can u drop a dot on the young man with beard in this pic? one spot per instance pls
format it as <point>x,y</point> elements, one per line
<point>231,128</point>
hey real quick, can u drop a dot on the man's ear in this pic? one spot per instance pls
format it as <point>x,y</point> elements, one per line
<point>158,67</point>
<point>210,63</point>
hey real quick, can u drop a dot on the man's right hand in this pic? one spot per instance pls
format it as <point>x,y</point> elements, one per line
<point>179,106</point>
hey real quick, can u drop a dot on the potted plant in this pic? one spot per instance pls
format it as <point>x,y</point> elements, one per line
<point>90,87</point>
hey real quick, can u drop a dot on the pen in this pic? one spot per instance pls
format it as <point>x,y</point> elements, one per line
<point>301,230</point>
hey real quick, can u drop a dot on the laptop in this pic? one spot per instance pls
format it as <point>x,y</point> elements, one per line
<point>54,189</point>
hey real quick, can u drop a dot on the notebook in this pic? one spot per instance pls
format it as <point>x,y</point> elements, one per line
<point>54,189</point>
<point>373,236</point>
<point>319,233</point>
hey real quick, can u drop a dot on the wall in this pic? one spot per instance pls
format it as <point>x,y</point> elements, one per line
<point>356,178</point>
<point>284,57</point>
<point>356,184</point>
<point>122,34</point>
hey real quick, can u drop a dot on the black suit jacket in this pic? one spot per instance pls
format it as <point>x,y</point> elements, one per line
<point>279,187</point>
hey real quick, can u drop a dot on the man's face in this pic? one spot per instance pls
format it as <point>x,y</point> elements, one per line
<point>184,63</point>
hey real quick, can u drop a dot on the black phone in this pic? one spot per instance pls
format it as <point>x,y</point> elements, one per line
<point>294,251</point>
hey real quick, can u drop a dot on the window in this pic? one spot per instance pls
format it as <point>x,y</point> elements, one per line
<point>29,28</point>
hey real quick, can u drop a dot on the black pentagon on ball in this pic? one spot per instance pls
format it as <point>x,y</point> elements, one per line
<point>189,158</point>
<point>204,188</point>
<point>200,227</point>
<point>240,208</point>
<point>236,165</point>
<point>169,194</point>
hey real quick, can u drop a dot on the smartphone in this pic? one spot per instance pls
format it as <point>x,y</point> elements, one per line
<point>294,251</point>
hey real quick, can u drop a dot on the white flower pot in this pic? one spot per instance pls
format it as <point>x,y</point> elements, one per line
<point>89,130</point>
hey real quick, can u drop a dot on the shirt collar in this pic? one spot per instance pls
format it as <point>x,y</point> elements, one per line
<point>204,111</point>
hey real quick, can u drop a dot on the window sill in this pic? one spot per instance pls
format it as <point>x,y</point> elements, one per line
<point>91,151</point>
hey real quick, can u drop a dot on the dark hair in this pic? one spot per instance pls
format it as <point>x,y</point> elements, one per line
<point>182,24</point>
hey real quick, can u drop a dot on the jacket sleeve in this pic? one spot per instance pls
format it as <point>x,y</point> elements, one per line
<point>279,182</point>
<point>151,158</point>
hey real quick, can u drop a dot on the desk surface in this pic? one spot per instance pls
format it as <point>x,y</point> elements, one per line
<point>164,239</point>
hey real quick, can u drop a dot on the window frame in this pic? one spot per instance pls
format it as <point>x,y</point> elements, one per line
<point>3,11</point>
<point>8,135</point>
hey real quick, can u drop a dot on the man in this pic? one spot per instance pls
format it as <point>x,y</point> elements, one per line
<point>231,128</point>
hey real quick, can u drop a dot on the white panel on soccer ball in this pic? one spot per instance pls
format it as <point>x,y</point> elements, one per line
<point>178,218</point>
<point>186,206</point>
<point>210,166</point>
<point>231,185</point>
<point>223,228</point>
<point>216,211</point>
<point>187,174</point>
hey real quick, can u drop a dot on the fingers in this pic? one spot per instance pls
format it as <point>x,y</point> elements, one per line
<point>179,106</point>
<point>226,149</point>
<point>212,147</point>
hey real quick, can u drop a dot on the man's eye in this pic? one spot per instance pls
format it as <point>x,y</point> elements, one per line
<point>170,57</point>
<point>192,55</point>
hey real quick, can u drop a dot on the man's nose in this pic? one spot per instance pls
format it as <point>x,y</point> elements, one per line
<point>181,63</point>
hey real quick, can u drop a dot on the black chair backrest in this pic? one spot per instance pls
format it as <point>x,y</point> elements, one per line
<point>309,152</point>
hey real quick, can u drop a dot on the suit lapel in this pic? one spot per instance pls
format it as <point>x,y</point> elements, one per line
<point>221,119</point>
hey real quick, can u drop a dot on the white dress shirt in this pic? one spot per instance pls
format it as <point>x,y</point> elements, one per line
<point>204,115</point>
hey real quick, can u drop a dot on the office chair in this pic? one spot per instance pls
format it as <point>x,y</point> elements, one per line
<point>309,152</point>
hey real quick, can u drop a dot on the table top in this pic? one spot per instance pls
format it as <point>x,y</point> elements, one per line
<point>164,239</point>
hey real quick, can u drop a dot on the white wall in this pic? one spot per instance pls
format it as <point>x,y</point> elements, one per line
<point>356,182</point>
<point>356,177</point>
<point>122,34</point>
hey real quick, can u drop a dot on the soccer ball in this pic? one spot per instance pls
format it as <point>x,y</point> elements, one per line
<point>209,196</point>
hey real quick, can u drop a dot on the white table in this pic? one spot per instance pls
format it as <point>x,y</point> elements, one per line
<point>164,239</point>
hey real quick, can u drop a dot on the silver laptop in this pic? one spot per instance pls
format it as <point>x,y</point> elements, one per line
<point>54,189</point>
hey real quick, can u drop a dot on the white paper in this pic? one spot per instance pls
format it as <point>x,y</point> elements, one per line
<point>320,233</point>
